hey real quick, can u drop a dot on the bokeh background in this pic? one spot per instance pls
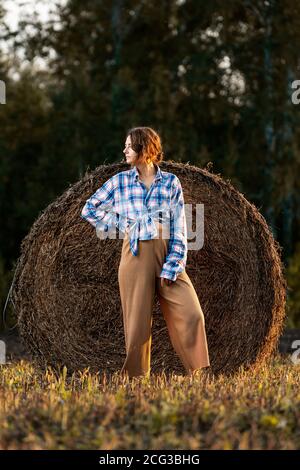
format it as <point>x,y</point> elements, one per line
<point>213,78</point>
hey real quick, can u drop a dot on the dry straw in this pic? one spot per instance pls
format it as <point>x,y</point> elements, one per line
<point>66,291</point>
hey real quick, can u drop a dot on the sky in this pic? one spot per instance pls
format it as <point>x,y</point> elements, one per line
<point>16,10</point>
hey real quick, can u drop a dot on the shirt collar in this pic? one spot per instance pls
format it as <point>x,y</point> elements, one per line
<point>136,174</point>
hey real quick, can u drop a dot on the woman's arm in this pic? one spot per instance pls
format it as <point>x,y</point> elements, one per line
<point>99,208</point>
<point>175,261</point>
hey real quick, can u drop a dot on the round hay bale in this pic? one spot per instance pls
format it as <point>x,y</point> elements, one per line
<point>66,291</point>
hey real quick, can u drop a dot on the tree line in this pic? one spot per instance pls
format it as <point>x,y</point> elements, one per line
<point>214,78</point>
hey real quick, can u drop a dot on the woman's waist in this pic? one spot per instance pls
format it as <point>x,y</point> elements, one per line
<point>143,233</point>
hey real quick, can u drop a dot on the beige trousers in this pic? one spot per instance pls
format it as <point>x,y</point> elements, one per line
<point>138,281</point>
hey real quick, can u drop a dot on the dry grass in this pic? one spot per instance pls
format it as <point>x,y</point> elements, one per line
<point>41,409</point>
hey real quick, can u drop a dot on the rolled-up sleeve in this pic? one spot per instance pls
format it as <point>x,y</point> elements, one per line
<point>99,208</point>
<point>176,258</point>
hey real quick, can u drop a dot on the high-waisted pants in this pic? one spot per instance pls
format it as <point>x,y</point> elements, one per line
<point>139,279</point>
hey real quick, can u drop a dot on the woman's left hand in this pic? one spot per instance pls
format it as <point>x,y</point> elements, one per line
<point>166,281</point>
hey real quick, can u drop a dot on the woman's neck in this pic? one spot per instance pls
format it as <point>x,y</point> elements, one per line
<point>146,170</point>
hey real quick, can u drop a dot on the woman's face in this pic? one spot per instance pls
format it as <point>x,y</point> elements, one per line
<point>131,155</point>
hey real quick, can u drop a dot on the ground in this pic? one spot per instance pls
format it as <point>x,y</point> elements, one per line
<point>43,409</point>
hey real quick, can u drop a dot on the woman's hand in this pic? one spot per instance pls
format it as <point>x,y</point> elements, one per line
<point>163,281</point>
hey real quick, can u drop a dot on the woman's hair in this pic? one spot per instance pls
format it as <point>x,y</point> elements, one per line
<point>147,144</point>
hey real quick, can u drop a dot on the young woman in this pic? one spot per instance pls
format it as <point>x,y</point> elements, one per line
<point>147,204</point>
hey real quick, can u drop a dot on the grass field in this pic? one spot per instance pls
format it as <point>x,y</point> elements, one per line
<point>46,410</point>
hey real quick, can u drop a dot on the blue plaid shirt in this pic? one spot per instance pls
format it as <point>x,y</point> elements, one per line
<point>123,201</point>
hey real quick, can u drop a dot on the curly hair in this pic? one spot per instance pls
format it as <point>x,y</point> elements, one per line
<point>147,144</point>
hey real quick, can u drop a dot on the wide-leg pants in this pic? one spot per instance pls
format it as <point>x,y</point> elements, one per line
<point>139,279</point>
